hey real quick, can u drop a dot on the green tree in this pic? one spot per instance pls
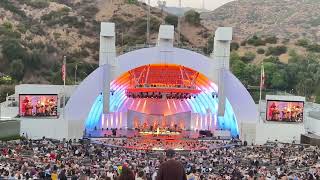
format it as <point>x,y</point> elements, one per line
<point>172,20</point>
<point>317,100</point>
<point>238,67</point>
<point>17,69</point>
<point>278,80</point>
<point>192,17</point>
<point>11,49</point>
<point>269,69</point>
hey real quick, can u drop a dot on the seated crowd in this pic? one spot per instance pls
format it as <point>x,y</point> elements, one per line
<point>162,144</point>
<point>49,159</point>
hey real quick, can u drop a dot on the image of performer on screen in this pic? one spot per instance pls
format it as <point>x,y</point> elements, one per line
<point>38,108</point>
<point>274,112</point>
<point>52,106</point>
<point>28,108</point>
<point>24,105</point>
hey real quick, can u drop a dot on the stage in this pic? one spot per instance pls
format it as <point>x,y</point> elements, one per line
<point>162,143</point>
<point>131,133</point>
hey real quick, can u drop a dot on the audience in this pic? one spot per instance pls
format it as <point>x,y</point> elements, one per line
<point>51,159</point>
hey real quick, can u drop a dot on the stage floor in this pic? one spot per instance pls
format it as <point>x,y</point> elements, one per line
<point>135,133</point>
<point>161,143</point>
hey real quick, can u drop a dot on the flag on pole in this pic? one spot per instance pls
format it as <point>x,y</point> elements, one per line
<point>263,77</point>
<point>63,70</point>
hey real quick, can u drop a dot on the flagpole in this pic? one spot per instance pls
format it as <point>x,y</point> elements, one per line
<point>64,85</point>
<point>261,86</point>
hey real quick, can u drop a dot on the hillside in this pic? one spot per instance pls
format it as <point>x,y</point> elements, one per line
<point>36,34</point>
<point>291,19</point>
<point>284,34</point>
<point>288,21</point>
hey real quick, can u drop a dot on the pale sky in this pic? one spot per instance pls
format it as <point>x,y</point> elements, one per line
<point>209,4</point>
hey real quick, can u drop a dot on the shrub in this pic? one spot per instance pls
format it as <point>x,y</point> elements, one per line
<point>315,22</point>
<point>132,1</point>
<point>318,99</point>
<point>271,40</point>
<point>22,28</point>
<point>141,25</point>
<point>121,23</point>
<point>5,80</point>
<point>256,41</point>
<point>89,11</point>
<point>54,15</point>
<point>93,46</point>
<point>210,45</point>
<point>4,90</point>
<point>260,51</point>
<point>8,5</point>
<point>285,41</point>
<point>56,35</point>
<point>248,57</point>
<point>51,48</point>
<point>234,46</point>
<point>63,44</point>
<point>36,45</point>
<point>133,40</point>
<point>276,51</point>
<point>82,53</point>
<point>314,48</point>
<point>72,21</point>
<point>9,34</point>
<point>8,25</point>
<point>243,43</point>
<point>272,59</point>
<point>172,20</point>
<point>192,17</point>
<point>37,3</point>
<point>37,29</point>
<point>303,42</point>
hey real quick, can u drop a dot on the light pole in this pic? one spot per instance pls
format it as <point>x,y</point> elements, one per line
<point>75,73</point>
<point>148,23</point>
<point>179,23</point>
<point>162,5</point>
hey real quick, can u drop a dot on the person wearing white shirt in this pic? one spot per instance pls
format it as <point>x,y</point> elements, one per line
<point>110,175</point>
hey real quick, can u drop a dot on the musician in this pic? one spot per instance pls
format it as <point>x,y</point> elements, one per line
<point>24,105</point>
<point>273,112</point>
<point>52,105</point>
<point>29,108</point>
<point>38,108</point>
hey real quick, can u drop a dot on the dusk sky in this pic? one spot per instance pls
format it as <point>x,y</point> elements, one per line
<point>209,4</point>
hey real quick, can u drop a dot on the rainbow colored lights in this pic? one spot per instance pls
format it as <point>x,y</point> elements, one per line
<point>204,106</point>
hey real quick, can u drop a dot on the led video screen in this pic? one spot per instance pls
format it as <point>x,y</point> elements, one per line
<point>38,105</point>
<point>285,111</point>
